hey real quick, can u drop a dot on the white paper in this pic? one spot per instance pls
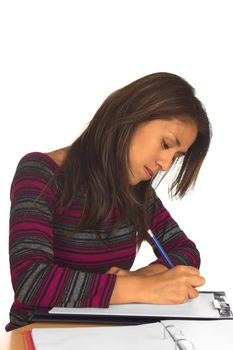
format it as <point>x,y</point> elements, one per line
<point>149,337</point>
<point>198,335</point>
<point>200,307</point>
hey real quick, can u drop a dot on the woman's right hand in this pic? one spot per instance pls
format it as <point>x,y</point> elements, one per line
<point>174,286</point>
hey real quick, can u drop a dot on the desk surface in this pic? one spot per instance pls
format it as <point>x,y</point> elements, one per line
<point>14,340</point>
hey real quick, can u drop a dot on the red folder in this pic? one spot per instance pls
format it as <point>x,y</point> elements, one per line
<point>28,340</point>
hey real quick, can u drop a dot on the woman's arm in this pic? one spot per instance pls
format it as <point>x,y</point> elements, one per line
<point>180,249</point>
<point>156,283</point>
<point>36,277</point>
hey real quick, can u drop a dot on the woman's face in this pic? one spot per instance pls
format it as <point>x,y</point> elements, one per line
<point>156,144</point>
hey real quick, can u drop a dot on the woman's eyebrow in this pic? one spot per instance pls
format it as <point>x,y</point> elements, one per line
<point>178,143</point>
<point>176,139</point>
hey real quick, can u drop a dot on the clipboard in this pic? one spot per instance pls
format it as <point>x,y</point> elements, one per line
<point>211,305</point>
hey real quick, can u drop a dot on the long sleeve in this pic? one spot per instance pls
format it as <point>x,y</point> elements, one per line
<point>180,249</point>
<point>38,280</point>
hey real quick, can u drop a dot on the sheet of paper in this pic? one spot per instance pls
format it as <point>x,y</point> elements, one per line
<point>200,307</point>
<point>149,336</point>
<point>199,335</point>
<point>206,335</point>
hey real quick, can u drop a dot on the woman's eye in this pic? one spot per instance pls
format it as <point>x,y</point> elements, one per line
<point>165,145</point>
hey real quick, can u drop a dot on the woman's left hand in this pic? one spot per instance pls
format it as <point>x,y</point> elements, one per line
<point>144,271</point>
<point>119,272</point>
<point>151,270</point>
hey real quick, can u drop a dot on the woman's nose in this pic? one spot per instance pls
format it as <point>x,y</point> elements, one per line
<point>166,163</point>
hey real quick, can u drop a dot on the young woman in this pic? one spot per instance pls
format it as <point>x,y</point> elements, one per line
<point>79,214</point>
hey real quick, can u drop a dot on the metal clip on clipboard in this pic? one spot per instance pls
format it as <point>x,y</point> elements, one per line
<point>221,304</point>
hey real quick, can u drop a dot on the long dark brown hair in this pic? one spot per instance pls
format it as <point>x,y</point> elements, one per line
<point>97,164</point>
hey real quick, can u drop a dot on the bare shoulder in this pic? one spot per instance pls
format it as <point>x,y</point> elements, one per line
<point>59,155</point>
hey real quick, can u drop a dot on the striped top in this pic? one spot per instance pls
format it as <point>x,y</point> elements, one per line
<point>54,265</point>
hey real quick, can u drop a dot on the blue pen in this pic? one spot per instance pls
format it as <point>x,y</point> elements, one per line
<point>160,248</point>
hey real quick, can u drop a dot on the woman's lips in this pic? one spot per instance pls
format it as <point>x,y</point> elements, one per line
<point>148,171</point>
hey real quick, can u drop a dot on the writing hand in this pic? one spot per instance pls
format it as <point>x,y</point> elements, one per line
<point>174,286</point>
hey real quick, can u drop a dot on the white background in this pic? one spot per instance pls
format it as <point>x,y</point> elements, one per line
<point>60,59</point>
